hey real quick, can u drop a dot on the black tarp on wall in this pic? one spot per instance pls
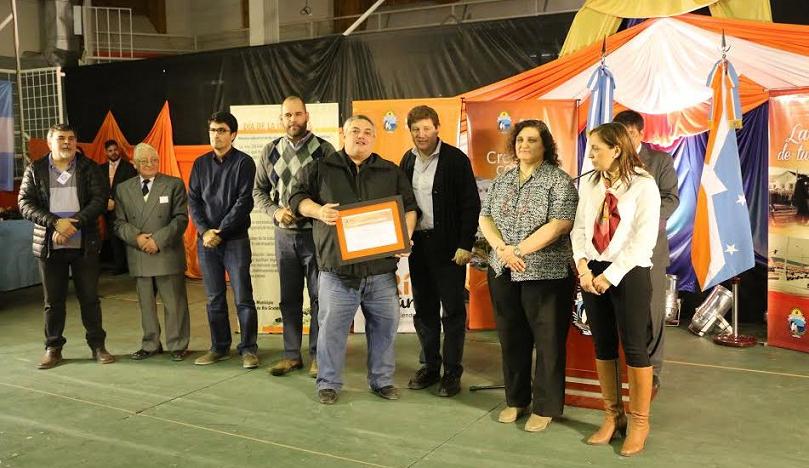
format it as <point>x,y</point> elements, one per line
<point>429,62</point>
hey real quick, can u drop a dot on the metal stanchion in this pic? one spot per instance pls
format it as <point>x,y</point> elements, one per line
<point>735,339</point>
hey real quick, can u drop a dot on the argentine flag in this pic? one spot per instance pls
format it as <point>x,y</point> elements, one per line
<point>6,138</point>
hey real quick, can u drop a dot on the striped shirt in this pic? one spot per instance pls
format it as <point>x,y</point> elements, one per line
<point>64,198</point>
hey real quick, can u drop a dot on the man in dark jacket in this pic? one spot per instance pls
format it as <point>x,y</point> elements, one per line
<point>661,167</point>
<point>352,175</point>
<point>117,169</point>
<point>63,194</point>
<point>449,206</point>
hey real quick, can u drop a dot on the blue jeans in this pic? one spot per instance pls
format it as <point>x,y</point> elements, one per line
<point>379,299</point>
<point>295,256</point>
<point>233,256</point>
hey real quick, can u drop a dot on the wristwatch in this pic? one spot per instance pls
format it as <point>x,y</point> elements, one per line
<point>517,251</point>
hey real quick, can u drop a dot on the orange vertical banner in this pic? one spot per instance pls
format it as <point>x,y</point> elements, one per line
<point>788,230</point>
<point>390,119</point>
<point>489,124</point>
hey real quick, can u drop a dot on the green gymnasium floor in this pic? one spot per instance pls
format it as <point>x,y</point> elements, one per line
<point>718,407</point>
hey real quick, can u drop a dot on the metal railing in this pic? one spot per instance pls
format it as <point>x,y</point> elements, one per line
<point>43,105</point>
<point>107,34</point>
<point>129,45</point>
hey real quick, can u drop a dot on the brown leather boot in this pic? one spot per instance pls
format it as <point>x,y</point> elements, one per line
<point>640,399</point>
<point>103,356</point>
<point>614,416</point>
<point>51,358</point>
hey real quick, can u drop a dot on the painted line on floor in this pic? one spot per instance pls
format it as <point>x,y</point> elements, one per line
<point>194,426</point>
<point>741,369</point>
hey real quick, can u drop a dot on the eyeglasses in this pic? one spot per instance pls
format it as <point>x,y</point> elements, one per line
<point>148,162</point>
<point>219,131</point>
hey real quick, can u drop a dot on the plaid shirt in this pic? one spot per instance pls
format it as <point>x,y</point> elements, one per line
<point>519,211</point>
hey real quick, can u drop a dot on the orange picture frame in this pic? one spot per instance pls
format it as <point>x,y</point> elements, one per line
<point>372,229</point>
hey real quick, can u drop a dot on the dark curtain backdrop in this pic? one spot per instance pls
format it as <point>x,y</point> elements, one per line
<point>429,62</point>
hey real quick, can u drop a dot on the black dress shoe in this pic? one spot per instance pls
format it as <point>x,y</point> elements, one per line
<point>450,385</point>
<point>424,378</point>
<point>327,396</point>
<point>143,354</point>
<point>179,355</point>
<point>388,392</point>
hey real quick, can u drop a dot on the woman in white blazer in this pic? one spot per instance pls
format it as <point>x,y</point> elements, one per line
<point>613,237</point>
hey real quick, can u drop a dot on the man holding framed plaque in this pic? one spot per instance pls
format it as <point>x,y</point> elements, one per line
<point>364,214</point>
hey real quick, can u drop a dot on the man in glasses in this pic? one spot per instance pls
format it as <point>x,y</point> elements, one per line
<point>151,214</point>
<point>281,161</point>
<point>220,196</point>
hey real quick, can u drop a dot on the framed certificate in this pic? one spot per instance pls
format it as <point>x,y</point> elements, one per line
<point>372,229</point>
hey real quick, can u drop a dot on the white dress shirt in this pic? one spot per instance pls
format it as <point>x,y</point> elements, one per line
<point>423,180</point>
<point>113,168</point>
<point>150,185</point>
<point>636,235</point>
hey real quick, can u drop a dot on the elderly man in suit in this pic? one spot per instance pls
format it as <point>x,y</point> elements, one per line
<point>661,167</point>
<point>151,214</point>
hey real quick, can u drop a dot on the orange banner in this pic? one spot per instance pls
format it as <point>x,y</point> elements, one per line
<point>788,231</point>
<point>390,119</point>
<point>490,122</point>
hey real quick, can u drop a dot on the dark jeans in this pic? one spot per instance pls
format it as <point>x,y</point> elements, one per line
<point>622,311</point>
<point>55,272</point>
<point>438,281</point>
<point>234,257</point>
<point>295,255</point>
<point>533,314</point>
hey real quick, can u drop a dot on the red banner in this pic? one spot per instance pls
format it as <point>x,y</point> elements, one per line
<point>788,263</point>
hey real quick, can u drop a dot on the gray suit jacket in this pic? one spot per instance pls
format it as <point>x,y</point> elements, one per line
<point>661,167</point>
<point>164,215</point>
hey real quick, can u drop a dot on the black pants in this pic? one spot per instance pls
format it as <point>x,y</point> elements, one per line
<point>438,281</point>
<point>621,312</point>
<point>117,248</point>
<point>533,314</point>
<point>55,272</point>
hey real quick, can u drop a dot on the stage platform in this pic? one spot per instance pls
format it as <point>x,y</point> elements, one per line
<point>718,406</point>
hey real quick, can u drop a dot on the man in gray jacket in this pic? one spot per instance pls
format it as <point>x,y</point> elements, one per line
<point>151,214</point>
<point>661,167</point>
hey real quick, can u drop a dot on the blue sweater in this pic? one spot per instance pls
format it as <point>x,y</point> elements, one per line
<point>220,194</point>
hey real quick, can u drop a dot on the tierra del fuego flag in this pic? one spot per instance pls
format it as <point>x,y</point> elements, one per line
<point>722,244</point>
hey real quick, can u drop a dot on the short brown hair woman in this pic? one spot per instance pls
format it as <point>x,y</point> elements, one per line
<point>526,216</point>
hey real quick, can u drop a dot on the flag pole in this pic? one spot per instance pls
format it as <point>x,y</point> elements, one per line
<point>734,339</point>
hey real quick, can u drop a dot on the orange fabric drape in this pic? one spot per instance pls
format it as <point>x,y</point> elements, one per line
<point>788,37</point>
<point>661,128</point>
<point>161,138</point>
<point>109,131</point>
<point>185,157</point>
